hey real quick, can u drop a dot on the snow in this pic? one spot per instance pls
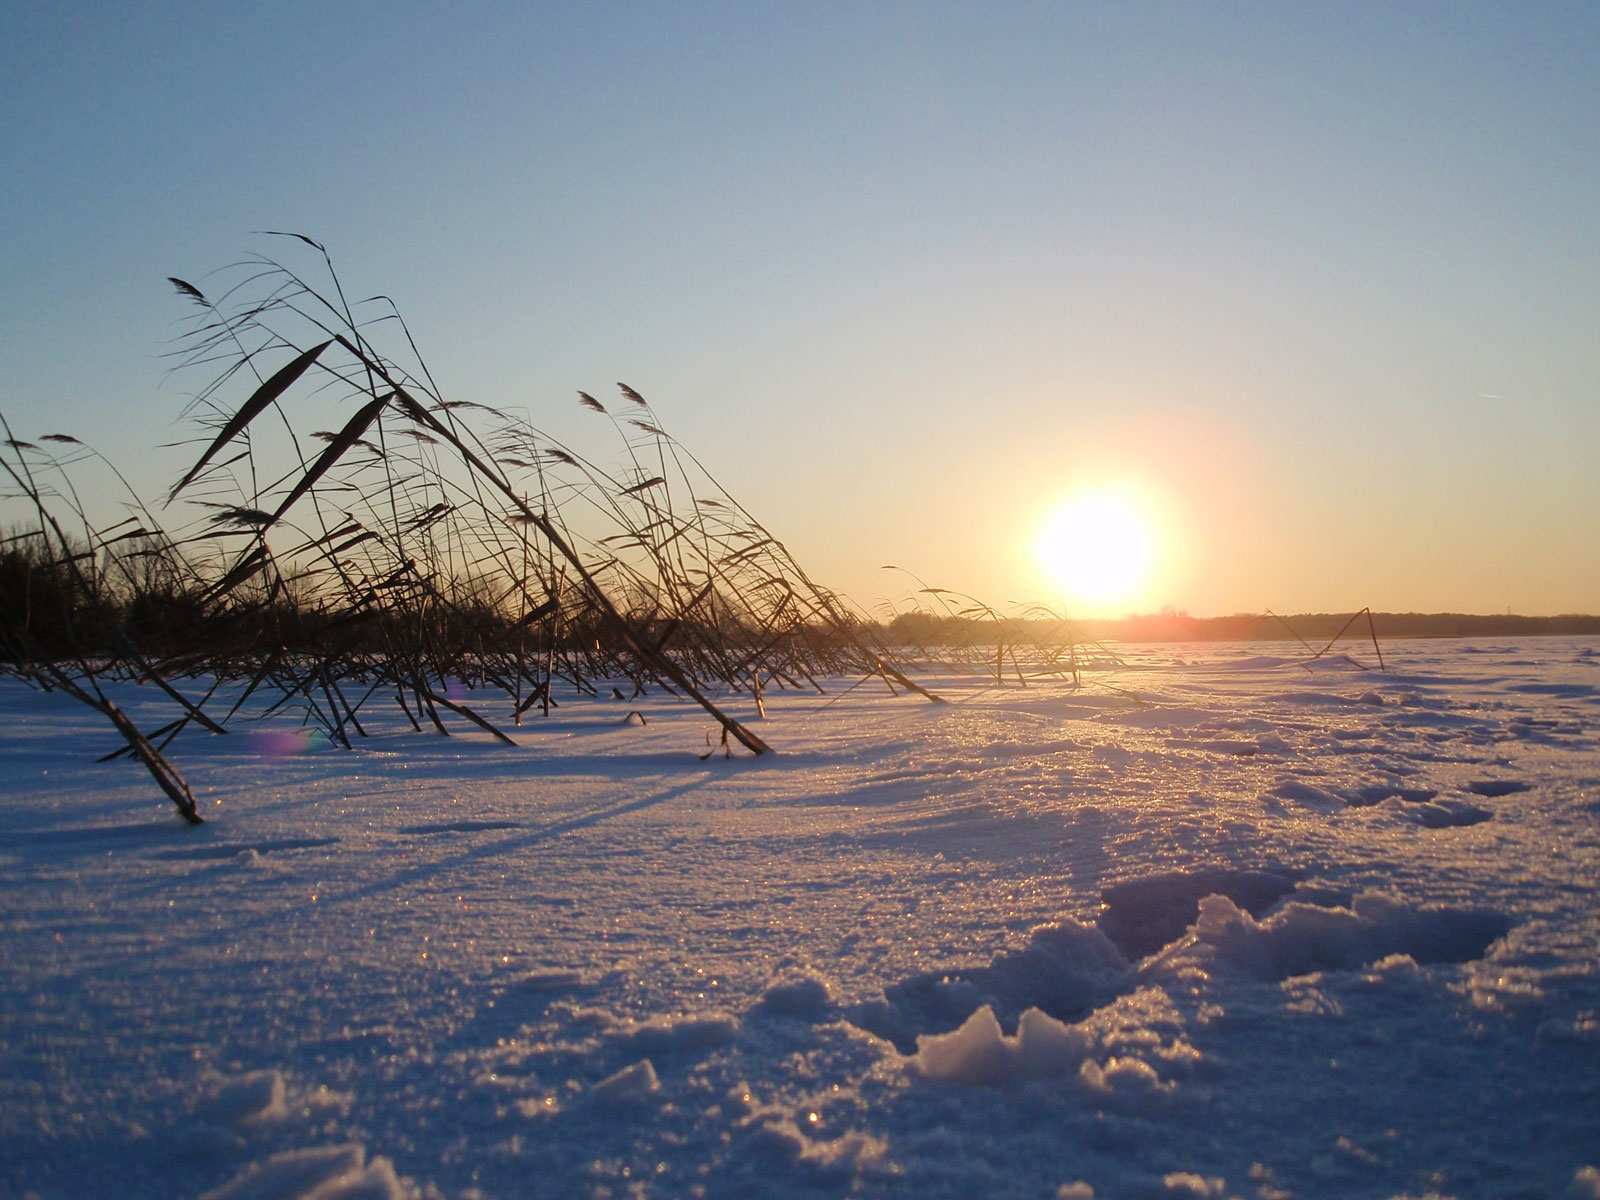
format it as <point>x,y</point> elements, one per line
<point>799,994</point>
<point>637,1081</point>
<point>1300,939</point>
<point>320,1173</point>
<point>979,1052</point>
<point>1210,925</point>
<point>256,1098</point>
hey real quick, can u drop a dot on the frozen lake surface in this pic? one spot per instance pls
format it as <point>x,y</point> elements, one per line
<point>1213,924</point>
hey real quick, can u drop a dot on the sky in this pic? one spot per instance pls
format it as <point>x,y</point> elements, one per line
<point>1315,286</point>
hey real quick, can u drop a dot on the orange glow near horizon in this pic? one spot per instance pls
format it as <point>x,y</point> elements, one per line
<point>1099,549</point>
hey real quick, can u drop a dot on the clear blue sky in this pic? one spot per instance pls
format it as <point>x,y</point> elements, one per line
<point>1322,282</point>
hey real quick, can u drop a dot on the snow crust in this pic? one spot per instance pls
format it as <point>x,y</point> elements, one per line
<point>318,1173</point>
<point>1211,925</point>
<point>1301,938</point>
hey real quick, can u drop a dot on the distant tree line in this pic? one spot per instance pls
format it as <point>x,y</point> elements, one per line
<point>1245,627</point>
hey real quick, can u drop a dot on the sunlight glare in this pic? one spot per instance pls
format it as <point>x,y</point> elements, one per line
<point>1098,548</point>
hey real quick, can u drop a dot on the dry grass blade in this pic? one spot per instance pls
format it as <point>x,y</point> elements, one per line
<point>280,382</point>
<point>346,438</point>
<point>643,487</point>
<point>253,563</point>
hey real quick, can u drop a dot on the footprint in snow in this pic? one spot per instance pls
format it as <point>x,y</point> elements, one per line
<point>1447,814</point>
<point>1491,788</point>
<point>1376,793</point>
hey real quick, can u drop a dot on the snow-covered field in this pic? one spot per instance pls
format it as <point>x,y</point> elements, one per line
<point>1214,924</point>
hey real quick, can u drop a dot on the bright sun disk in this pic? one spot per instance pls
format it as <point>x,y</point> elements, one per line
<point>1098,548</point>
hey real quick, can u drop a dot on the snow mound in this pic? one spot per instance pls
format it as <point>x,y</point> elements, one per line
<point>1140,916</point>
<point>803,994</point>
<point>1162,717</point>
<point>1301,938</point>
<point>1129,1086</point>
<point>1306,793</point>
<point>781,1139</point>
<point>1395,975</point>
<point>637,1081</point>
<point>1449,814</point>
<point>1186,1185</point>
<point>1369,794</point>
<point>661,1036</point>
<point>1331,662</point>
<point>247,1101</point>
<point>979,1052</point>
<point>550,981</point>
<point>1065,970</point>
<point>316,1173</point>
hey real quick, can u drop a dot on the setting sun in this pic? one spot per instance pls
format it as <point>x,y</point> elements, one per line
<point>1098,548</point>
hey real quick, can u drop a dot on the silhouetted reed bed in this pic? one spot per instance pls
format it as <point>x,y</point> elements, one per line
<point>347,536</point>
